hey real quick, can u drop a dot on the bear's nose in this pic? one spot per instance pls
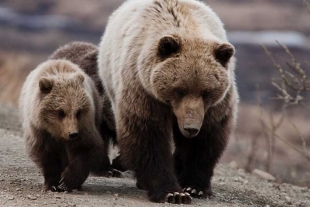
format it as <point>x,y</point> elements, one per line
<point>191,130</point>
<point>73,135</point>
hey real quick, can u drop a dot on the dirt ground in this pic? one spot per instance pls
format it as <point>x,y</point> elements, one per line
<point>21,183</point>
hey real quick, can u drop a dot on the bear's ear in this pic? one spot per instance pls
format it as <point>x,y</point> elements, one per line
<point>80,77</point>
<point>46,85</point>
<point>167,46</point>
<point>223,53</point>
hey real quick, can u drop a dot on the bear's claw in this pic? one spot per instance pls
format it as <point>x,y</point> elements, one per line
<point>198,193</point>
<point>56,189</point>
<point>178,198</point>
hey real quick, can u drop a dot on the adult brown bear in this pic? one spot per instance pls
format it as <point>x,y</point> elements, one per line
<point>168,70</point>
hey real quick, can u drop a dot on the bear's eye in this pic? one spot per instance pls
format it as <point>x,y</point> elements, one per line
<point>180,92</point>
<point>61,113</point>
<point>205,94</point>
<point>78,114</point>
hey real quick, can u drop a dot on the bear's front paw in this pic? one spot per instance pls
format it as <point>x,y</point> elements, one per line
<point>198,192</point>
<point>172,197</point>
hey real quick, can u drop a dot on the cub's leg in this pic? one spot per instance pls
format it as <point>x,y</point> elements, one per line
<point>85,154</point>
<point>196,158</point>
<point>50,157</point>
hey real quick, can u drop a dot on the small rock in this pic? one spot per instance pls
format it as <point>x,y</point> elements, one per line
<point>263,175</point>
<point>116,195</point>
<point>31,197</point>
<point>276,186</point>
<point>288,200</point>
<point>57,196</point>
<point>302,203</point>
<point>233,165</point>
<point>11,198</point>
<point>18,189</point>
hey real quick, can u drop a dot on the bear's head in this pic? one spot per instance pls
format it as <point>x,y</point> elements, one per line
<point>192,76</point>
<point>65,107</point>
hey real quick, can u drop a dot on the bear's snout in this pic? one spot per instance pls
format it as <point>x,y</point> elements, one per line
<point>73,135</point>
<point>191,130</point>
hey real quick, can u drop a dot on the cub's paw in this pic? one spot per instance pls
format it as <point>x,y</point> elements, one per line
<point>51,185</point>
<point>56,189</point>
<point>141,186</point>
<point>110,173</point>
<point>197,192</point>
<point>173,197</point>
<point>63,186</point>
<point>114,173</point>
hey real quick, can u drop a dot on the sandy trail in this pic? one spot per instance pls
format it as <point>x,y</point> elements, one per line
<point>21,183</point>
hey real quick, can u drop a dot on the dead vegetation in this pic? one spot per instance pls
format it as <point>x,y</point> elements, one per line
<point>13,70</point>
<point>292,85</point>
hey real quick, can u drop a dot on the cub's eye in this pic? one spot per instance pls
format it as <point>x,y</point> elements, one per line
<point>61,113</point>
<point>78,114</point>
<point>180,92</point>
<point>205,94</point>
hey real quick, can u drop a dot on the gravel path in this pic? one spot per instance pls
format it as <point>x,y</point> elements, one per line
<point>21,183</point>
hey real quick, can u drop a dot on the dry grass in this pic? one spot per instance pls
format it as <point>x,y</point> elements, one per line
<point>13,70</point>
<point>250,142</point>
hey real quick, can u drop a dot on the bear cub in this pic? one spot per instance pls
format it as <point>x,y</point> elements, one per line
<point>60,110</point>
<point>85,55</point>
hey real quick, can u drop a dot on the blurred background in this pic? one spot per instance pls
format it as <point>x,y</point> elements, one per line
<point>273,125</point>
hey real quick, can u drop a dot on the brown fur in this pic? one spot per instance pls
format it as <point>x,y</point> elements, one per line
<point>61,115</point>
<point>85,55</point>
<point>169,72</point>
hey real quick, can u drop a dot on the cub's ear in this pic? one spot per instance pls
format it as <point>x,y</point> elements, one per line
<point>223,53</point>
<point>167,46</point>
<point>80,77</point>
<point>46,85</point>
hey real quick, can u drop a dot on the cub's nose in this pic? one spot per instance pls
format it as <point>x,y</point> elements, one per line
<point>73,135</point>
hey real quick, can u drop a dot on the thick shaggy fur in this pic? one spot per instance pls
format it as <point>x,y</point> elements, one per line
<point>85,56</point>
<point>169,72</point>
<point>59,100</point>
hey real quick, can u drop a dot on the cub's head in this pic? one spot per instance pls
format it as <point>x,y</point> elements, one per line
<point>65,106</point>
<point>191,76</point>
